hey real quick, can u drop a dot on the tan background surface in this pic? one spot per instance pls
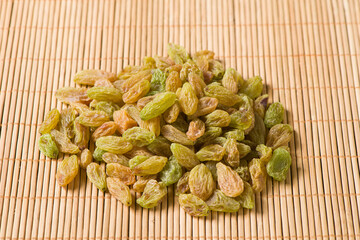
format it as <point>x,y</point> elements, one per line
<point>307,51</point>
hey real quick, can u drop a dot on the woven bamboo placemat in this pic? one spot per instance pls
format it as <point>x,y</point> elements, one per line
<point>307,51</point>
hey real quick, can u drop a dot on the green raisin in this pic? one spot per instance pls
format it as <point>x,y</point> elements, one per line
<point>157,83</point>
<point>222,203</point>
<point>114,144</point>
<point>201,182</point>
<point>108,94</point>
<point>258,133</point>
<point>185,156</point>
<point>247,197</point>
<point>171,173</point>
<point>252,87</point>
<point>119,190</point>
<point>213,152</point>
<point>279,164</point>
<point>137,160</point>
<point>67,170</point>
<point>177,53</point>
<point>279,135</point>
<point>48,146</point>
<point>274,115</point>
<point>50,122</point>
<point>193,205</point>
<point>223,95</point>
<point>139,136</point>
<point>90,76</point>
<point>93,118</point>
<point>158,105</point>
<point>98,154</point>
<point>218,118</point>
<point>160,146</point>
<point>150,166</point>
<point>63,142</point>
<point>97,176</point>
<point>153,193</point>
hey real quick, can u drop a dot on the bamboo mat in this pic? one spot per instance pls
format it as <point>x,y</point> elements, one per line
<point>307,51</point>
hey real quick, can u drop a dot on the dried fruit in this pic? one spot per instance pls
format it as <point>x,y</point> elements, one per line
<point>79,107</point>
<point>187,99</point>
<point>150,166</point>
<point>216,68</point>
<point>217,118</point>
<point>81,135</point>
<point>182,185</point>
<point>260,105</point>
<point>184,156</point>
<point>193,205</point>
<point>243,170</point>
<point>121,172</point>
<point>98,154</point>
<point>244,119</point>
<point>279,135</point>
<point>162,63</point>
<point>97,176</point>
<point>265,153</point>
<point>138,151</point>
<point>172,113</point>
<point>50,122</point>
<point>141,103</point>
<point>63,142</point>
<point>230,183</point>
<point>247,197</point>
<point>243,149</point>
<point>232,80</point>
<point>174,135</point>
<point>160,146</point>
<point>67,170</point>
<point>197,83</point>
<point>274,115</point>
<point>205,106</point>
<point>93,118</point>
<point>106,129</point>
<point>103,83</point>
<point>258,133</point>
<point>119,190</point>
<point>211,121</point>
<point>232,156</point>
<point>173,82</point>
<point>139,136</point>
<point>115,158</point>
<point>135,78</point>
<point>158,106</point>
<point>71,94</point>
<point>223,95</point>
<point>141,182</point>
<point>108,107</point>
<point>133,162</point>
<point>90,76</point>
<point>279,164</point>
<point>85,158</point>
<point>109,94</point>
<point>236,134</point>
<point>48,146</point>
<point>123,120</point>
<point>213,152</point>
<point>196,129</point>
<point>210,134</point>
<point>181,124</point>
<point>222,203</point>
<point>171,173</point>
<point>177,53</point>
<point>258,174</point>
<point>252,87</point>
<point>153,193</point>
<point>114,144</point>
<point>201,182</point>
<point>157,84</point>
